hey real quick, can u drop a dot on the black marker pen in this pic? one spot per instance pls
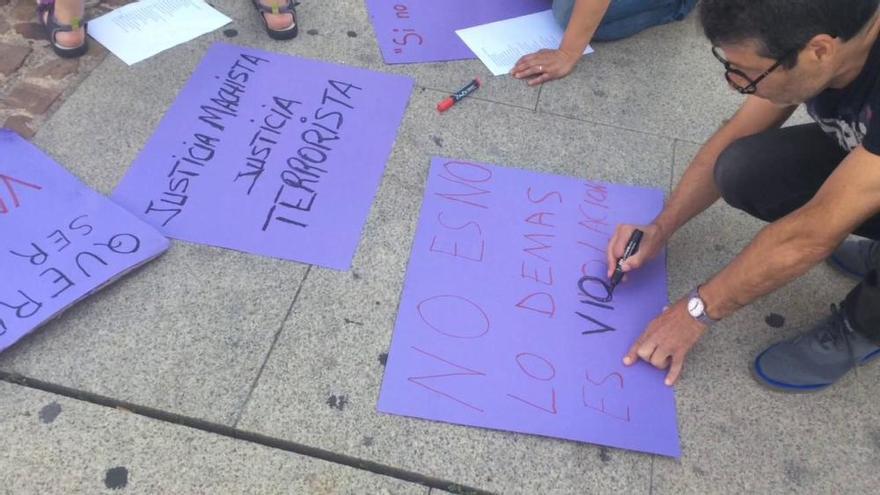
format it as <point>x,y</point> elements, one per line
<point>632,247</point>
<point>447,102</point>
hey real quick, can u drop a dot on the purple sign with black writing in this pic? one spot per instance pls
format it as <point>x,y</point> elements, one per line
<point>59,240</point>
<point>424,30</point>
<point>269,154</point>
<point>506,319</point>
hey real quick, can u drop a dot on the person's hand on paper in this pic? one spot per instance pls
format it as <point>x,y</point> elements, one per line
<point>545,65</point>
<point>653,241</point>
<point>667,340</point>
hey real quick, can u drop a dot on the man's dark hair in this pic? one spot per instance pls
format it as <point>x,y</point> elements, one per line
<point>783,27</point>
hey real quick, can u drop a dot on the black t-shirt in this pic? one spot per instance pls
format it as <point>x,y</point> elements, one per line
<point>852,115</point>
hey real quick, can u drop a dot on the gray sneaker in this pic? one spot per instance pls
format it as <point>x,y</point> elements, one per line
<point>815,359</point>
<point>856,257</point>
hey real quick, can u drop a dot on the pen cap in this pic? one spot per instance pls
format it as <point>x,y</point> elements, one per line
<point>445,105</point>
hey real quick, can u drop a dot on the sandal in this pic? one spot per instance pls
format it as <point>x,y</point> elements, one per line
<point>46,15</point>
<point>279,34</point>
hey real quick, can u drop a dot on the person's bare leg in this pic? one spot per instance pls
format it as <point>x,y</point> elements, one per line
<point>278,22</point>
<point>68,12</point>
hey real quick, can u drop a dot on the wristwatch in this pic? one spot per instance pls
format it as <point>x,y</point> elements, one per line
<point>697,308</point>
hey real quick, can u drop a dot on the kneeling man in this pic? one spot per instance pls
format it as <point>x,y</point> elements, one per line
<point>815,184</point>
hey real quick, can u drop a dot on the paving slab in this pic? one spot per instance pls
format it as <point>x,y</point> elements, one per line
<point>321,384</point>
<point>189,331</point>
<point>54,444</point>
<point>663,80</point>
<point>738,437</point>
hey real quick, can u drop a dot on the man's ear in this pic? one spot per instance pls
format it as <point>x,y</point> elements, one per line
<point>820,49</point>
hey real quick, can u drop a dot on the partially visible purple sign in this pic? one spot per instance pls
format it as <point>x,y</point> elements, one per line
<point>269,154</point>
<point>59,240</point>
<point>506,320</point>
<point>424,30</point>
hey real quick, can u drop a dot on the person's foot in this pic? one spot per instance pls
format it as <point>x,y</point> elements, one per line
<point>856,258</point>
<point>815,359</point>
<point>278,22</point>
<point>68,13</point>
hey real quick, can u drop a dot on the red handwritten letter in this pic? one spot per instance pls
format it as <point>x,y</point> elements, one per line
<point>8,182</point>
<point>549,373</point>
<point>625,416</point>
<point>544,197</point>
<point>466,372</point>
<point>529,303</point>
<point>467,319</point>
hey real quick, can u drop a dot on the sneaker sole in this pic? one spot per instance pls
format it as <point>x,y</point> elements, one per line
<point>870,357</point>
<point>776,386</point>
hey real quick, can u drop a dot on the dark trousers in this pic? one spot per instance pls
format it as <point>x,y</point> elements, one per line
<point>771,174</point>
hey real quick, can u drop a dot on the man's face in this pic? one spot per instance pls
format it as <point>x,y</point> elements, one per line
<point>782,86</point>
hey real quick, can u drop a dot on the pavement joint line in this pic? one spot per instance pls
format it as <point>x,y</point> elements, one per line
<point>254,383</point>
<point>622,128</point>
<point>651,477</point>
<point>237,434</point>
<point>569,117</point>
<point>578,119</point>
<point>538,99</point>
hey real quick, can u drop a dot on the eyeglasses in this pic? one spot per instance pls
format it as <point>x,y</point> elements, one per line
<point>739,80</point>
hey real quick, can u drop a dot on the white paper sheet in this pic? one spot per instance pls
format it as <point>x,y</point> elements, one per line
<point>500,44</point>
<point>142,29</point>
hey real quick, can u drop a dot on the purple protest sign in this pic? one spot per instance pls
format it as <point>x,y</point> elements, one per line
<point>59,240</point>
<point>497,326</point>
<point>269,154</point>
<point>424,30</point>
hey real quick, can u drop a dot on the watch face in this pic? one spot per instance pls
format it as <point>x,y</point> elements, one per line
<point>696,307</point>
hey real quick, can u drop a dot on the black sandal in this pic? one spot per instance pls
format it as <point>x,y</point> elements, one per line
<point>46,8</point>
<point>283,34</point>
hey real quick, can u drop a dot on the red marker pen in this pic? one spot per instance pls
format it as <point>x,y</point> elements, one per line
<point>447,103</point>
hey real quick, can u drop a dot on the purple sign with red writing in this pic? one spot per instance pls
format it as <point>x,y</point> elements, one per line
<point>269,154</point>
<point>424,30</point>
<point>59,240</point>
<point>506,320</point>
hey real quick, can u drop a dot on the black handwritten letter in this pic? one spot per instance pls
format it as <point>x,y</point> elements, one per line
<point>20,309</point>
<point>61,276</point>
<point>36,259</point>
<point>61,238</point>
<point>123,243</point>
<point>82,226</point>
<point>94,257</point>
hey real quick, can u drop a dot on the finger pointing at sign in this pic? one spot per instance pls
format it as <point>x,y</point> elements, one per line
<point>667,340</point>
